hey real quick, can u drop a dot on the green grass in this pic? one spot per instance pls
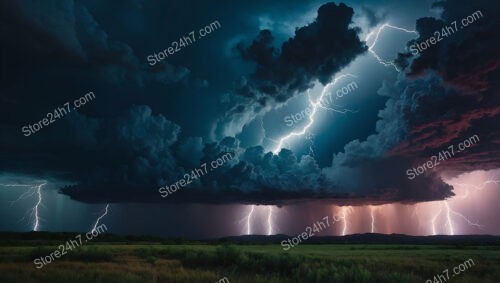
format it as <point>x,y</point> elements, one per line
<point>111,263</point>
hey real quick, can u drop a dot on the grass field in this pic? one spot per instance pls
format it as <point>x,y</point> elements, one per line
<point>127,263</point>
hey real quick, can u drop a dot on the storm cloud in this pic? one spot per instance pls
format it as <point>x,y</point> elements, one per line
<point>127,145</point>
<point>316,52</point>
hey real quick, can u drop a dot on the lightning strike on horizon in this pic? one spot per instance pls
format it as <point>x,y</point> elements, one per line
<point>370,48</point>
<point>269,221</point>
<point>100,217</point>
<point>448,221</point>
<point>373,218</point>
<point>449,210</point>
<point>249,216</point>
<point>344,230</point>
<point>34,211</point>
<point>315,105</point>
<point>39,192</point>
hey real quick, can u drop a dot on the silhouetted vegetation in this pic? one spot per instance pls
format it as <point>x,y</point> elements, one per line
<point>139,262</point>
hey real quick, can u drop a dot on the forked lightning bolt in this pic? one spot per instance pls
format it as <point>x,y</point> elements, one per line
<point>377,33</point>
<point>100,217</point>
<point>449,211</point>
<point>37,190</point>
<point>491,180</point>
<point>269,220</point>
<point>315,105</point>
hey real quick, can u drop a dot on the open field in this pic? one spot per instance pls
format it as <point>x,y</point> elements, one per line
<point>127,263</point>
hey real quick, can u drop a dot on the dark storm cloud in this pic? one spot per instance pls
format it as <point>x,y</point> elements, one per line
<point>125,154</point>
<point>316,52</point>
<point>371,16</point>
<point>449,95</point>
<point>467,58</point>
<point>139,152</point>
<point>62,32</point>
<point>466,102</point>
<point>145,161</point>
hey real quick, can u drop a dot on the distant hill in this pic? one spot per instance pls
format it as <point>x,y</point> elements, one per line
<point>371,238</point>
<point>37,238</point>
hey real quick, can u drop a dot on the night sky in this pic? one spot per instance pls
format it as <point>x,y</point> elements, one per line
<point>253,87</point>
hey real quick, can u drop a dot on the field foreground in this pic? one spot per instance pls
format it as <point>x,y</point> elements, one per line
<point>130,263</point>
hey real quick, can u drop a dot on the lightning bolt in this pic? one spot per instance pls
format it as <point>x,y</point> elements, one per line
<point>344,230</point>
<point>37,190</point>
<point>377,33</point>
<point>248,218</point>
<point>100,217</point>
<point>373,218</point>
<point>269,221</point>
<point>449,223</point>
<point>39,202</point>
<point>318,103</point>
<point>450,211</point>
<point>466,219</point>
<point>261,210</point>
<point>491,180</point>
<point>315,105</point>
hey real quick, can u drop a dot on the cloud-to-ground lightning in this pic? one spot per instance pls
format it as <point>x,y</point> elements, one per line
<point>373,218</point>
<point>262,211</point>
<point>38,203</point>
<point>448,219</point>
<point>37,190</point>
<point>270,221</point>
<point>450,211</point>
<point>100,217</point>
<point>248,218</point>
<point>377,33</point>
<point>315,106</point>
<point>344,230</point>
